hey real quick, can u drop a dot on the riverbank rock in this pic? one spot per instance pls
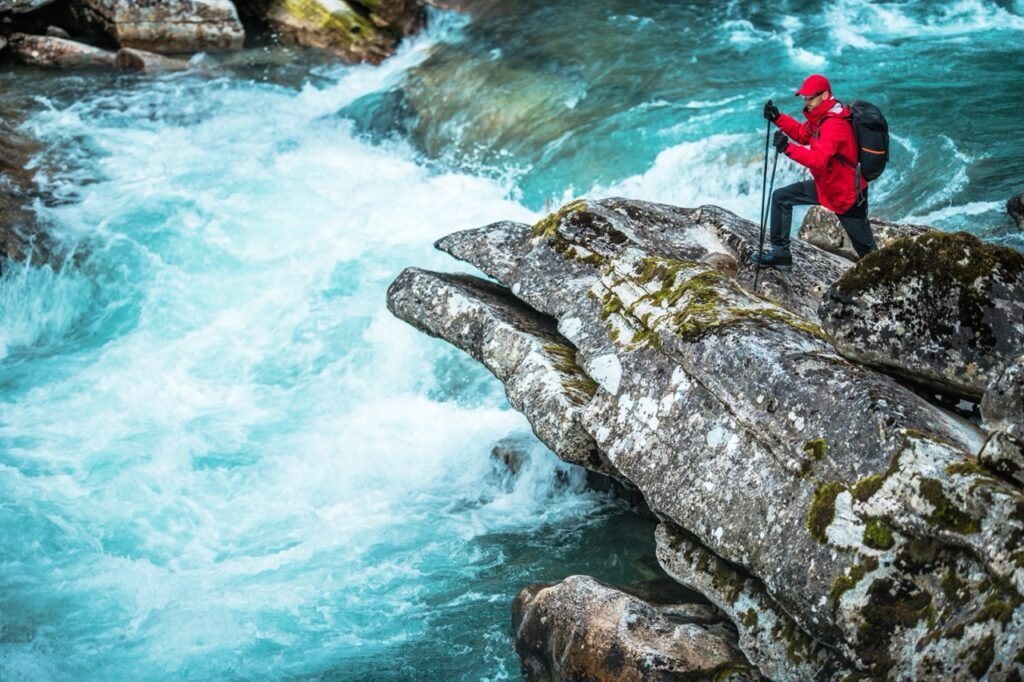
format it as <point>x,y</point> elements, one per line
<point>19,6</point>
<point>170,26</point>
<point>582,629</point>
<point>57,52</point>
<point>827,504</point>
<point>346,30</point>
<point>1015,207</point>
<point>822,228</point>
<point>21,237</point>
<point>944,310</point>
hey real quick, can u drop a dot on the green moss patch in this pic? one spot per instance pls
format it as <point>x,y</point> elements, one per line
<point>548,225</point>
<point>946,515</point>
<point>867,486</point>
<point>845,583</point>
<point>579,387</point>
<point>984,654</point>
<point>877,534</point>
<point>823,510</point>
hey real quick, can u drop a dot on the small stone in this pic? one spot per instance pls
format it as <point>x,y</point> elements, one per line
<point>57,32</point>
<point>128,59</point>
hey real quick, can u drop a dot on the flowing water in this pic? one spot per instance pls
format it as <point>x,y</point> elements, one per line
<point>220,456</point>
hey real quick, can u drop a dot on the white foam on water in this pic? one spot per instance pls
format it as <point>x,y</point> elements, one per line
<point>242,476</point>
<point>861,23</point>
<point>719,169</point>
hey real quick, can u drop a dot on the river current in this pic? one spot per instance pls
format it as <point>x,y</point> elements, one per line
<point>220,456</point>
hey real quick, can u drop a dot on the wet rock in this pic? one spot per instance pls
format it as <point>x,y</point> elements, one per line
<point>3,43</point>
<point>822,228</point>
<point>1002,412</point>
<point>170,26</point>
<point>582,629</point>
<point>855,507</point>
<point>521,347</point>
<point>58,52</point>
<point>1015,207</point>
<point>345,29</point>
<point>128,59</point>
<point>945,310</point>
<point>18,6</point>
<point>57,32</point>
<point>21,236</point>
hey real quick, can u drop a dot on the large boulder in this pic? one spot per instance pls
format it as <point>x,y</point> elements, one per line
<point>22,5</point>
<point>58,52</point>
<point>824,500</point>
<point>355,32</point>
<point>944,310</point>
<point>1015,207</point>
<point>822,228</point>
<point>168,26</point>
<point>582,629</point>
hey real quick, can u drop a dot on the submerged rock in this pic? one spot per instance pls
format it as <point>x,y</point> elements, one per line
<point>822,500</point>
<point>1015,207</point>
<point>945,310</point>
<point>150,62</point>
<point>21,236</point>
<point>168,26</point>
<point>58,52</point>
<point>345,29</point>
<point>822,228</point>
<point>582,629</point>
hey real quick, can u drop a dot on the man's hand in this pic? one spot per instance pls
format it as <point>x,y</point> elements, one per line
<point>771,112</point>
<point>781,141</point>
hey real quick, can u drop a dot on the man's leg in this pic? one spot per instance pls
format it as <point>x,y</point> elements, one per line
<point>858,228</point>
<point>783,201</point>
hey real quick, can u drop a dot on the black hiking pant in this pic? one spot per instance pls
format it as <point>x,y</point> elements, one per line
<point>854,221</point>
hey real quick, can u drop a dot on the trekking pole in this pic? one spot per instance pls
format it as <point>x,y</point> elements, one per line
<point>764,181</point>
<point>771,186</point>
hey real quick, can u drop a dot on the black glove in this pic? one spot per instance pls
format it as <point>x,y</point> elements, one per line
<point>781,141</point>
<point>771,112</point>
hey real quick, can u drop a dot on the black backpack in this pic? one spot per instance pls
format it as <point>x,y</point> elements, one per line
<point>871,132</point>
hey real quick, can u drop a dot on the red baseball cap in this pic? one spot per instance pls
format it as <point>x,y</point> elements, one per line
<point>814,84</point>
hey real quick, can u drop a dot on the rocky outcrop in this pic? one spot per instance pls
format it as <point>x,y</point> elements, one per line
<point>18,6</point>
<point>1015,207</point>
<point>20,234</point>
<point>58,52</point>
<point>822,228</point>
<point>945,310</point>
<point>1002,411</point>
<point>581,629</point>
<point>368,31</point>
<point>840,521</point>
<point>168,26</point>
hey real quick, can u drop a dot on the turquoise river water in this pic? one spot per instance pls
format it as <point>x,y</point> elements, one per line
<point>221,458</point>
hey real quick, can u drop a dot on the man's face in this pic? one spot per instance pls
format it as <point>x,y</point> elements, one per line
<point>814,100</point>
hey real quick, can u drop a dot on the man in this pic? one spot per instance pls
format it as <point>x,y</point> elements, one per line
<point>831,157</point>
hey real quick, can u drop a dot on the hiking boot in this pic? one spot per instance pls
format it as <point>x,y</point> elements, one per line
<point>773,260</point>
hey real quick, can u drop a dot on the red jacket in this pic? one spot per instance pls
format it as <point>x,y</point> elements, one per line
<point>829,133</point>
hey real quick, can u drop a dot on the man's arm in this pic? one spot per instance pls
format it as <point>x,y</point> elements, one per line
<point>821,150</point>
<point>796,130</point>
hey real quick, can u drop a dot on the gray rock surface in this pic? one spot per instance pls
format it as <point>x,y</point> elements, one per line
<point>356,32</point>
<point>169,26</point>
<point>582,629</point>
<point>945,310</point>
<point>58,52</point>
<point>1002,412</point>
<point>822,228</point>
<point>1015,207</point>
<point>22,5</point>
<point>851,506</point>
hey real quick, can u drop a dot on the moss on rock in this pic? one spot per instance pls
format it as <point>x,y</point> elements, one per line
<point>877,534</point>
<point>823,510</point>
<point>845,583</point>
<point>945,514</point>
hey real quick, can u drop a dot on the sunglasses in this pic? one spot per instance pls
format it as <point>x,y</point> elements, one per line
<point>810,97</point>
